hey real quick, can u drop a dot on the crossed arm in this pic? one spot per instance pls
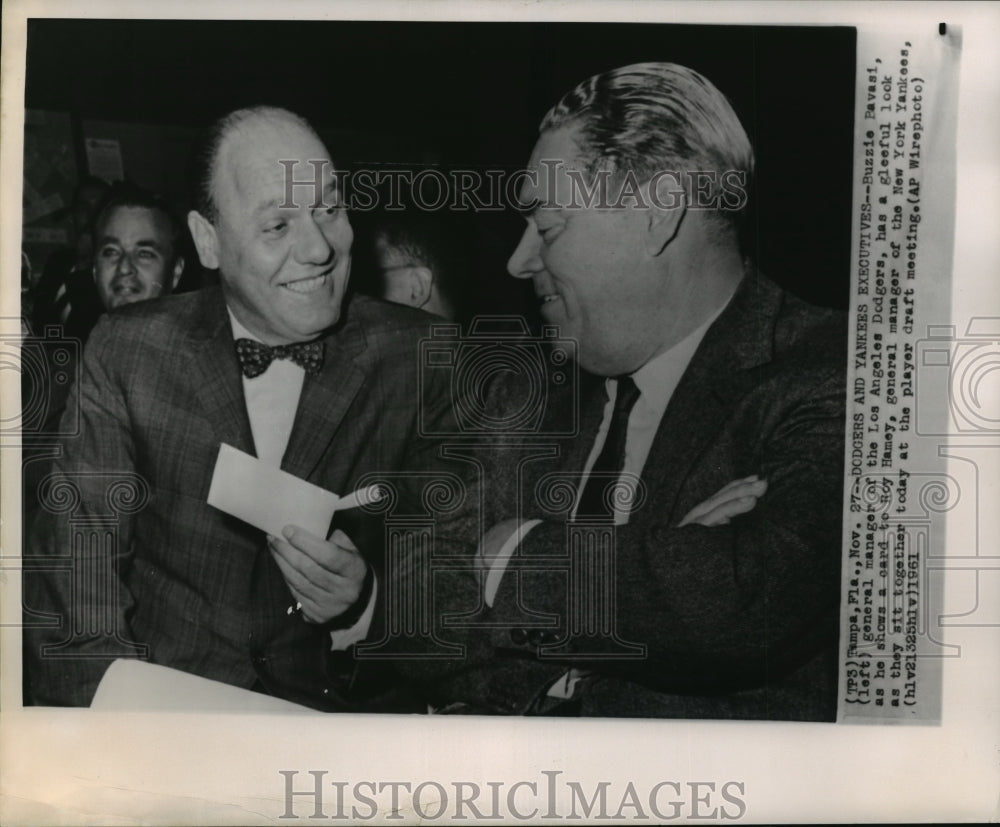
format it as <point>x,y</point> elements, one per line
<point>735,498</point>
<point>741,589</point>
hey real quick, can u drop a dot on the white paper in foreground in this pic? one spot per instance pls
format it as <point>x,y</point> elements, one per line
<point>140,686</point>
<point>267,497</point>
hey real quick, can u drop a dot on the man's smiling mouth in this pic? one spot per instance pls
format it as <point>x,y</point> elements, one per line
<point>311,284</point>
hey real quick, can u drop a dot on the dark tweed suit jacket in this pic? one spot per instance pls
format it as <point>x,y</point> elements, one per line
<point>735,621</point>
<point>171,578</point>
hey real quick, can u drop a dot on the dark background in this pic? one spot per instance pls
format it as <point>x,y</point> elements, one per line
<point>466,95</point>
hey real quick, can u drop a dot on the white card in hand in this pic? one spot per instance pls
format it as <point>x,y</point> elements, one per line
<point>267,497</point>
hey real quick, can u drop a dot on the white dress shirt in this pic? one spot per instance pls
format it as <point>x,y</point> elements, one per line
<point>272,399</point>
<point>656,380</point>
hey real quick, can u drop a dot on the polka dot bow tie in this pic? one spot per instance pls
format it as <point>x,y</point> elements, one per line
<point>255,357</point>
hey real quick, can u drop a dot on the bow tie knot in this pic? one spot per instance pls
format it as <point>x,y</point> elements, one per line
<point>255,357</point>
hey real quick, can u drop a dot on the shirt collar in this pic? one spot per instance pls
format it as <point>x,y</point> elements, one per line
<point>239,331</point>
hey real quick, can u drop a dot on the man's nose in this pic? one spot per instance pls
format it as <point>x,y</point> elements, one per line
<point>313,246</point>
<point>125,264</point>
<point>525,261</point>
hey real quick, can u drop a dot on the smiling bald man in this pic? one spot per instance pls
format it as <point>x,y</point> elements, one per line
<point>271,362</point>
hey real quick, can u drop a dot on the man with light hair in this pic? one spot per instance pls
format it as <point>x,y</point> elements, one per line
<point>695,571</point>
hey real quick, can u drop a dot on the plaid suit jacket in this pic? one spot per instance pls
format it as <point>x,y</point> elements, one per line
<point>127,558</point>
<point>733,621</point>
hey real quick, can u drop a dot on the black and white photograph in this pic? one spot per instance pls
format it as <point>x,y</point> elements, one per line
<point>707,564</point>
<point>458,416</point>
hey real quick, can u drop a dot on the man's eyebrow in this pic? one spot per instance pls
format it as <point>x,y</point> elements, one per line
<point>265,206</point>
<point>153,243</point>
<point>331,187</point>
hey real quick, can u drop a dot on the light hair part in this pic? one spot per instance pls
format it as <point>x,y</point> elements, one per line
<point>650,117</point>
<point>205,157</point>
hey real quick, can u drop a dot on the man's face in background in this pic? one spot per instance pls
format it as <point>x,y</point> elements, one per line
<point>135,256</point>
<point>395,272</point>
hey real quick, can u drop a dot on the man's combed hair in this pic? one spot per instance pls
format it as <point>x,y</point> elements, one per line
<point>649,117</point>
<point>127,194</point>
<point>205,155</point>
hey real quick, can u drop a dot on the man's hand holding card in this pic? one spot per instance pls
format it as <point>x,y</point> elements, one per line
<point>327,578</point>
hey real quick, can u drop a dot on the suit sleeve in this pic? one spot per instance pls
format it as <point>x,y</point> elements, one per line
<point>79,543</point>
<point>727,606</point>
<point>716,609</point>
<point>418,480</point>
<point>452,663</point>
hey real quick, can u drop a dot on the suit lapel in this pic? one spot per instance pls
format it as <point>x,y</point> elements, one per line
<point>721,372</point>
<point>326,397</point>
<point>216,373</point>
<point>574,449</point>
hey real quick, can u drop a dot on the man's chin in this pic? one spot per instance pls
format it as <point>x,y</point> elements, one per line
<point>305,330</point>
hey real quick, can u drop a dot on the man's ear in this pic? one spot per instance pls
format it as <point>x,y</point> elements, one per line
<point>668,206</point>
<point>421,285</point>
<point>206,242</point>
<point>178,271</point>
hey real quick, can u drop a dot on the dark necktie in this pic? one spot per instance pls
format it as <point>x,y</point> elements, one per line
<point>608,466</point>
<point>255,357</point>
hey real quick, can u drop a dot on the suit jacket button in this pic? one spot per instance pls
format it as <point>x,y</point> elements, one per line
<point>258,660</point>
<point>518,637</point>
<point>548,637</point>
<point>536,637</point>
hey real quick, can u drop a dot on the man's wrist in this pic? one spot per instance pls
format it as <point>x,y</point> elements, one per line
<point>348,618</point>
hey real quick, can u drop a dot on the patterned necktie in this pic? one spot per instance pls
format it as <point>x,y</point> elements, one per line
<point>594,503</point>
<point>255,357</point>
